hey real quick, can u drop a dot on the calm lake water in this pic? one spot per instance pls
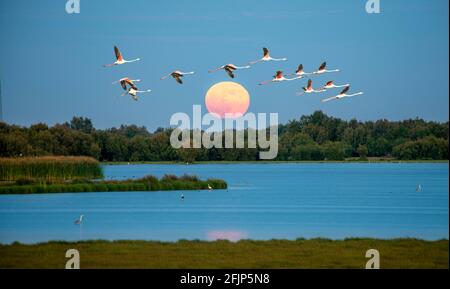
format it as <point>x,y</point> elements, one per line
<point>264,201</point>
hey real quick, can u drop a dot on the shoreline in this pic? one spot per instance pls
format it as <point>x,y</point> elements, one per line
<point>278,162</point>
<point>248,254</point>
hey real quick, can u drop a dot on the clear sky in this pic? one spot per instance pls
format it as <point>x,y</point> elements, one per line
<point>51,62</point>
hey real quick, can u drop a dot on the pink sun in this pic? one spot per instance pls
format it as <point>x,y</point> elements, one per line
<point>227,99</point>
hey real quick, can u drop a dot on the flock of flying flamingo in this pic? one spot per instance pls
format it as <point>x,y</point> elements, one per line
<point>130,87</point>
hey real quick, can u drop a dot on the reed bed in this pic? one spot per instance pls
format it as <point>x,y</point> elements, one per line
<point>49,168</point>
<point>148,183</point>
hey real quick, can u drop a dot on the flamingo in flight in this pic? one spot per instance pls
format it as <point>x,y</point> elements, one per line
<point>322,69</point>
<point>133,91</point>
<point>266,57</point>
<point>309,89</point>
<point>279,77</point>
<point>177,75</point>
<point>341,95</point>
<point>126,81</point>
<point>300,72</point>
<point>119,59</point>
<point>229,68</point>
<point>330,84</point>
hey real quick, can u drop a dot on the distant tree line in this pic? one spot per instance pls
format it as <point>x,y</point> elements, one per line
<point>313,137</point>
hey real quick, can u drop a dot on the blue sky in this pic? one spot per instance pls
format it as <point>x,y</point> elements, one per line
<point>51,64</point>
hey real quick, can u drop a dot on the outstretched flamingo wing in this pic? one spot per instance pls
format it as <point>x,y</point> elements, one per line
<point>345,90</point>
<point>130,83</point>
<point>309,84</point>
<point>323,65</point>
<point>300,68</point>
<point>279,74</point>
<point>178,79</point>
<point>265,52</point>
<point>118,54</point>
<point>329,83</point>
<point>230,73</point>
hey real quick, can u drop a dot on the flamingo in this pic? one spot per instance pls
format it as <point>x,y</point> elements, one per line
<point>343,94</point>
<point>119,59</point>
<point>300,72</point>
<point>133,91</point>
<point>330,84</point>
<point>229,68</point>
<point>322,69</point>
<point>266,57</point>
<point>79,220</point>
<point>124,81</point>
<point>309,89</point>
<point>279,77</point>
<point>210,188</point>
<point>177,75</point>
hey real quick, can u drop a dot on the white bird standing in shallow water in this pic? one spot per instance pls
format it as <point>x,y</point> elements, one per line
<point>119,59</point>
<point>322,69</point>
<point>229,68</point>
<point>79,220</point>
<point>309,89</point>
<point>210,188</point>
<point>278,77</point>
<point>177,75</point>
<point>343,94</point>
<point>266,57</point>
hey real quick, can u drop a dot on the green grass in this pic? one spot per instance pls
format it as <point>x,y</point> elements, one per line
<point>314,253</point>
<point>148,183</point>
<point>49,168</point>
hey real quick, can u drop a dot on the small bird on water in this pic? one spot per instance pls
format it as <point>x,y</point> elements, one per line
<point>79,220</point>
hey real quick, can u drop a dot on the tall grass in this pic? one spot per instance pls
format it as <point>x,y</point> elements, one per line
<point>147,183</point>
<point>49,168</point>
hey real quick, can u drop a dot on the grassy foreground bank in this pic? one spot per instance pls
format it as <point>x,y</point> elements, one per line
<point>148,183</point>
<point>314,253</point>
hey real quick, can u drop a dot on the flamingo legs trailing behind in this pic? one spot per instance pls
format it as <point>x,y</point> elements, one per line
<point>343,94</point>
<point>229,68</point>
<point>266,57</point>
<point>119,59</point>
<point>279,77</point>
<point>177,75</point>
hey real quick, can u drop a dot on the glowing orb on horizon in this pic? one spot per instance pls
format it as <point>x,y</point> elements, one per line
<point>227,99</point>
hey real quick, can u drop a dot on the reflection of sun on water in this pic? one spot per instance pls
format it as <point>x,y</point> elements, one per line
<point>227,98</point>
